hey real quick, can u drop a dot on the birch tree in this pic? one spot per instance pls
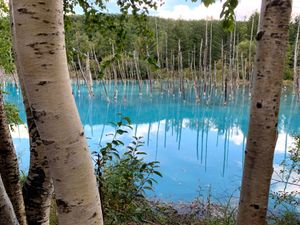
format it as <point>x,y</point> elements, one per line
<point>38,188</point>
<point>40,53</point>
<point>7,213</point>
<point>262,135</point>
<point>9,168</point>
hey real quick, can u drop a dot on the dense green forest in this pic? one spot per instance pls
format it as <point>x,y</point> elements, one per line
<point>163,34</point>
<point>155,43</point>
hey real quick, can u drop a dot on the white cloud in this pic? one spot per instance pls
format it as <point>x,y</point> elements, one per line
<point>143,129</point>
<point>283,142</point>
<point>246,8</point>
<point>237,136</point>
<point>188,13</point>
<point>19,131</point>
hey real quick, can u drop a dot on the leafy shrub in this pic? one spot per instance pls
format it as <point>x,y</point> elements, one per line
<point>12,114</point>
<point>288,73</point>
<point>286,218</point>
<point>123,178</point>
<point>289,201</point>
<point>290,175</point>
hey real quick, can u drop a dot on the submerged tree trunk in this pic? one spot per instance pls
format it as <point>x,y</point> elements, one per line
<point>157,44</point>
<point>84,76</point>
<point>205,60</point>
<point>249,52</point>
<point>102,81</point>
<point>222,63</point>
<point>40,50</point>
<point>262,135</point>
<point>296,88</point>
<point>88,73</point>
<point>9,168</point>
<point>200,78</point>
<point>180,71</point>
<point>7,214</point>
<point>136,61</point>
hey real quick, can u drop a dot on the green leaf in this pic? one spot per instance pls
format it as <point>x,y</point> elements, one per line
<point>157,173</point>
<point>127,119</point>
<point>120,131</point>
<point>143,167</point>
<point>141,153</point>
<point>116,155</point>
<point>228,14</point>
<point>149,182</point>
<point>12,114</point>
<point>208,2</point>
<point>148,188</point>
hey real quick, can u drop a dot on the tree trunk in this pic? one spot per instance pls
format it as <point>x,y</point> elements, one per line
<point>200,78</point>
<point>222,62</point>
<point>7,214</point>
<point>38,188</point>
<point>101,81</point>
<point>157,43</point>
<point>9,168</point>
<point>88,73</point>
<point>295,80</point>
<point>136,62</point>
<point>210,53</point>
<point>205,59</point>
<point>262,136</point>
<point>250,48</point>
<point>41,55</point>
<point>166,56</point>
<point>84,77</point>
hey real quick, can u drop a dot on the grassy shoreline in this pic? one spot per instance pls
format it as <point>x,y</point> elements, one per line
<point>197,212</point>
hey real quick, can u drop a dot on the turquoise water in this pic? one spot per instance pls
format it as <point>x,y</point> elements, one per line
<point>199,146</point>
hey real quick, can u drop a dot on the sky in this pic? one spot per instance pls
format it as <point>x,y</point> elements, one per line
<point>181,9</point>
<point>186,9</point>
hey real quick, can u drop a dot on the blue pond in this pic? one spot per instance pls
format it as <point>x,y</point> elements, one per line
<point>199,146</point>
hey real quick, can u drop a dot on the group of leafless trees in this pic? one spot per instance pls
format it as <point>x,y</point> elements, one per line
<point>203,74</point>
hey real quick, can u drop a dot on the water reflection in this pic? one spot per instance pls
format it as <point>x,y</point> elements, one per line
<point>198,145</point>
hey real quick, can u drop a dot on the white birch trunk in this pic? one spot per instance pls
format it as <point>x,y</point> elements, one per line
<point>262,135</point>
<point>41,55</point>
<point>9,167</point>
<point>7,214</point>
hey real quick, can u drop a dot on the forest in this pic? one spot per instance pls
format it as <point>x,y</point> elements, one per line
<point>155,42</point>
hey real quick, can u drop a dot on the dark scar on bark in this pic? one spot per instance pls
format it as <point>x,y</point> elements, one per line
<point>259,35</point>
